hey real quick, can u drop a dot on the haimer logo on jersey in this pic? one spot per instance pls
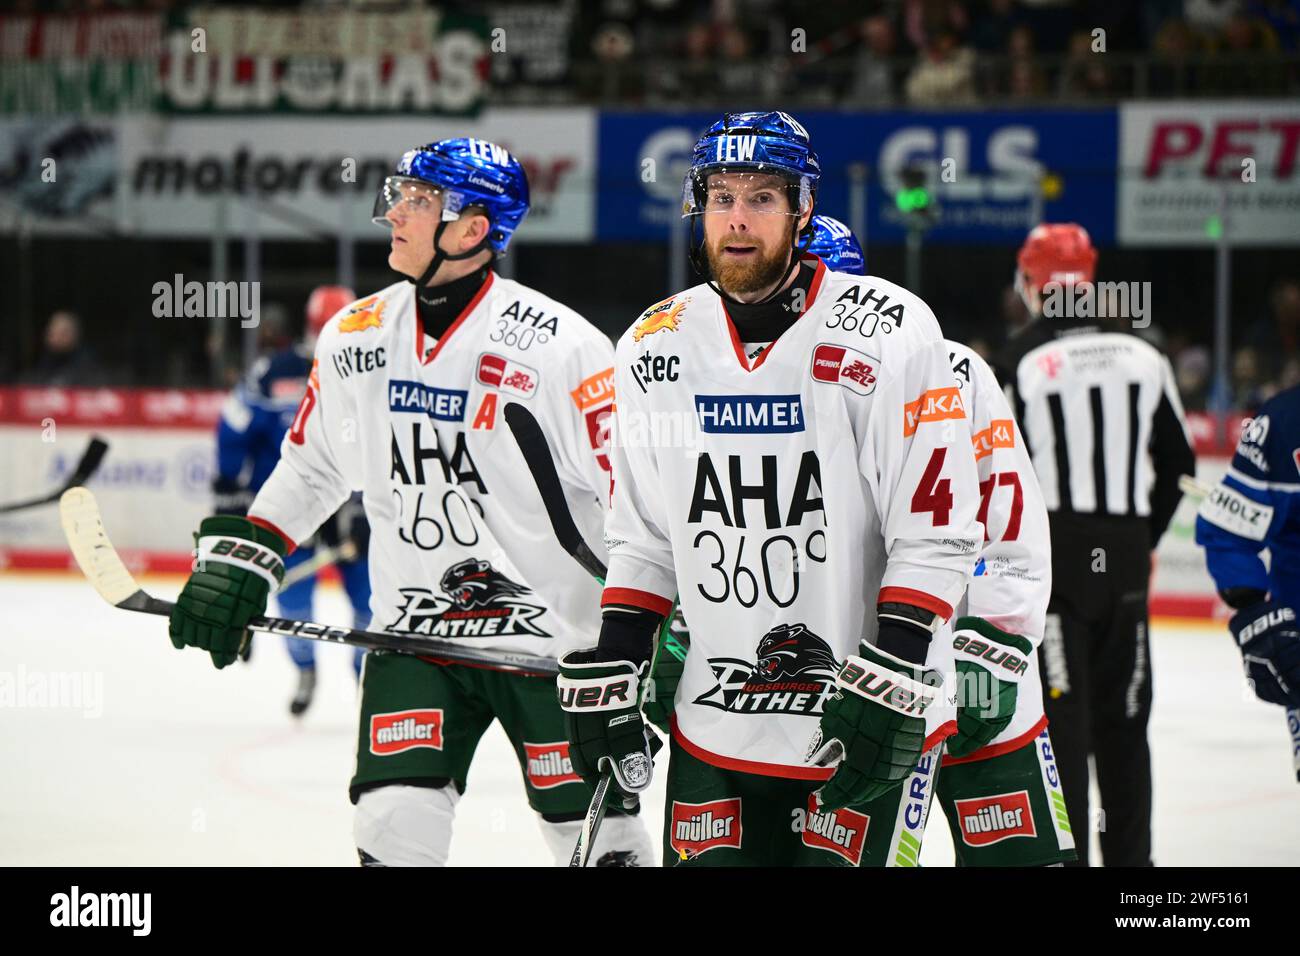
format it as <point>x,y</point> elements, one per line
<point>794,674</point>
<point>749,414</point>
<point>401,730</point>
<point>442,404</point>
<point>989,820</point>
<point>841,365</point>
<point>699,827</point>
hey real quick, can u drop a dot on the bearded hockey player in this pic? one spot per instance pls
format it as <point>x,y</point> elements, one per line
<point>791,454</point>
<point>1256,506</point>
<point>1099,411</point>
<point>404,403</point>
<point>1000,788</point>
<point>253,424</point>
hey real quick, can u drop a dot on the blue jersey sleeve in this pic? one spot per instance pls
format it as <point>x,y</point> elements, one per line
<point>1255,505</point>
<point>235,436</point>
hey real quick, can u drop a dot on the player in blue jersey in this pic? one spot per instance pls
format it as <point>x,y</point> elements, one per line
<point>1256,506</point>
<point>253,424</point>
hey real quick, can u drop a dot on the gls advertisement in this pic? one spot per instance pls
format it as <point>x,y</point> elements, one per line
<point>983,169</point>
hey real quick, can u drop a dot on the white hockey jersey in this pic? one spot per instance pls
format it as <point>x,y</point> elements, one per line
<point>783,497</point>
<point>1013,576</point>
<point>460,544</point>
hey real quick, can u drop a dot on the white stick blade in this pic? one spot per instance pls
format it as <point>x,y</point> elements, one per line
<point>95,554</point>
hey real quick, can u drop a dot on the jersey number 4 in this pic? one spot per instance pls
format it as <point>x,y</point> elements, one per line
<point>934,494</point>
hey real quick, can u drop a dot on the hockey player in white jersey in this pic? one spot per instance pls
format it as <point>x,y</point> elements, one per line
<point>999,788</point>
<point>405,404</point>
<point>791,455</point>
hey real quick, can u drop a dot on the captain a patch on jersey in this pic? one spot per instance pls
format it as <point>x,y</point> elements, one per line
<point>477,601</point>
<point>793,674</point>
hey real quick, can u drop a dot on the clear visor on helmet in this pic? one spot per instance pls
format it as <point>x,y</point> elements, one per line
<point>754,191</point>
<point>414,197</point>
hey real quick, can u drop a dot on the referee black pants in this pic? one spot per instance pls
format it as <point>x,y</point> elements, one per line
<point>1096,667</point>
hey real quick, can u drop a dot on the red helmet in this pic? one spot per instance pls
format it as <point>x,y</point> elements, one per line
<point>324,302</point>
<point>1055,252</point>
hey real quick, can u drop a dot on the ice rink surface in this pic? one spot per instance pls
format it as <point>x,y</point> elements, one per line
<point>116,749</point>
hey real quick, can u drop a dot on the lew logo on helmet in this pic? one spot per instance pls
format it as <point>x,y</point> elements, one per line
<point>793,674</point>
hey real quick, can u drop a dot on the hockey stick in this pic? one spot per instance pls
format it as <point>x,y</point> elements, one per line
<point>537,455</point>
<point>325,556</point>
<point>541,465</point>
<point>103,567</point>
<point>1199,489</point>
<point>88,465</point>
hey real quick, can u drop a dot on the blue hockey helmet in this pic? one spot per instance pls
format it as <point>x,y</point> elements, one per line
<point>834,243</point>
<point>772,142</point>
<point>465,172</point>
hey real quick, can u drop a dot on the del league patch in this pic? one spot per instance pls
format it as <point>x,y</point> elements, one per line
<point>497,371</point>
<point>403,730</point>
<point>842,365</point>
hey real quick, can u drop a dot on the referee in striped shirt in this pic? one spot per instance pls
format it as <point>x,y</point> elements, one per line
<point>1101,416</point>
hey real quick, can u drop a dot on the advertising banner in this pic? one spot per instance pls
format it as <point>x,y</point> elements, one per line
<point>303,177</point>
<point>984,171</point>
<point>1189,167</point>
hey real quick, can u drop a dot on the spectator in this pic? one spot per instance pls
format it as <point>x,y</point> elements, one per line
<point>1283,17</point>
<point>1210,15</point>
<point>1192,371</point>
<point>945,74</point>
<point>64,361</point>
<point>1085,75</point>
<point>1025,79</point>
<point>991,32</point>
<point>1170,72</point>
<point>1276,339</point>
<point>875,73</point>
<point>1240,68</point>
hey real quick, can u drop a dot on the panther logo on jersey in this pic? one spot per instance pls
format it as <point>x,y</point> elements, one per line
<point>480,602</point>
<point>794,674</point>
<point>473,583</point>
<point>789,650</point>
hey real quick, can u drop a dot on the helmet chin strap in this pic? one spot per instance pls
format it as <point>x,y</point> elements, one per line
<point>440,256</point>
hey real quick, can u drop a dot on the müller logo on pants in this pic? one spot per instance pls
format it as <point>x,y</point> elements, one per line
<point>549,765</point>
<point>700,827</point>
<point>405,730</point>
<point>842,831</point>
<point>989,820</point>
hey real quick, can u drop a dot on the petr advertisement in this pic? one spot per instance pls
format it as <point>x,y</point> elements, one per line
<point>1184,163</point>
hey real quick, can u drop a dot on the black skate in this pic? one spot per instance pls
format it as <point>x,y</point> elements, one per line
<point>306,689</point>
